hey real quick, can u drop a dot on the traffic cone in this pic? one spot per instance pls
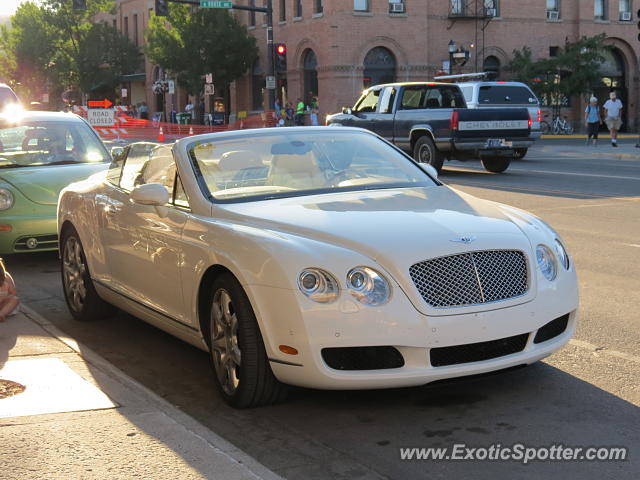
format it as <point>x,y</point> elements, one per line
<point>191,131</point>
<point>161,135</point>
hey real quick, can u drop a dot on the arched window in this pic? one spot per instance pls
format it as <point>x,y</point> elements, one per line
<point>310,62</point>
<point>492,65</point>
<point>379,67</point>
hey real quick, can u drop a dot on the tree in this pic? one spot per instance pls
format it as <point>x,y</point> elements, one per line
<point>52,45</point>
<point>190,43</point>
<point>575,70</point>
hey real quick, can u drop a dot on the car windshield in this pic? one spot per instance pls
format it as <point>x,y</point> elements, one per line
<point>30,144</point>
<point>286,163</point>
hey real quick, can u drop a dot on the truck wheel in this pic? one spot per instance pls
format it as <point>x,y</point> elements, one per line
<point>520,153</point>
<point>496,164</point>
<point>425,151</point>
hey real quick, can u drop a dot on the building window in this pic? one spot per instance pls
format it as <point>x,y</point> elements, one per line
<point>491,64</point>
<point>553,51</point>
<point>379,67</point>
<point>457,8</point>
<point>257,86</point>
<point>283,10</point>
<point>491,8</point>
<point>252,15</point>
<point>135,28</point>
<point>361,5</point>
<point>310,62</point>
<point>553,9</point>
<point>625,10</point>
<point>317,6</point>
<point>397,6</point>
<point>600,9</point>
<point>126,26</point>
<point>298,9</point>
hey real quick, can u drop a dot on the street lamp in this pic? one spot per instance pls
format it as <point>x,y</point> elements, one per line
<point>452,49</point>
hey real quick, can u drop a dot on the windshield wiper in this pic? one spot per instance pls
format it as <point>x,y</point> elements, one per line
<point>14,165</point>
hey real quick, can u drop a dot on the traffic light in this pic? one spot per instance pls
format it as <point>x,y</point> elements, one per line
<point>281,58</point>
<point>162,8</point>
<point>79,4</point>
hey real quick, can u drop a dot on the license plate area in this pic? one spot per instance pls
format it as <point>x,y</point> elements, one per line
<point>498,143</point>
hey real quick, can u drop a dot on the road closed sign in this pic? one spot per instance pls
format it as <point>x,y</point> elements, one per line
<point>101,117</point>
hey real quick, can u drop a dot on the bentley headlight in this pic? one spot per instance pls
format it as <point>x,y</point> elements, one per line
<point>6,199</point>
<point>318,285</point>
<point>562,254</point>
<point>546,262</point>
<point>368,286</point>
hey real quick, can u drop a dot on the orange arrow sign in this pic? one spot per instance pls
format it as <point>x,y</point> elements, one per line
<point>100,103</point>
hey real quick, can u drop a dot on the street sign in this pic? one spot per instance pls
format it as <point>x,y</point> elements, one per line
<point>171,85</point>
<point>215,4</point>
<point>209,89</point>
<point>102,117</point>
<point>123,92</point>
<point>271,82</point>
<point>99,103</point>
<point>208,78</point>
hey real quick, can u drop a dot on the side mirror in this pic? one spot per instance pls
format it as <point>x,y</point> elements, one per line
<point>150,194</point>
<point>116,152</point>
<point>429,169</point>
<point>347,110</point>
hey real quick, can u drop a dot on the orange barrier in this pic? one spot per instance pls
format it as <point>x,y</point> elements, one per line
<point>127,127</point>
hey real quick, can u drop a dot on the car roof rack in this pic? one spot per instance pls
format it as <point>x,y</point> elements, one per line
<point>466,77</point>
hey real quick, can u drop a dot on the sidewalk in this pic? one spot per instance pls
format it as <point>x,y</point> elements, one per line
<point>80,417</point>
<point>603,149</point>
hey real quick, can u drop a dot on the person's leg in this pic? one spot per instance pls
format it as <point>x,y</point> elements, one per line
<point>614,137</point>
<point>9,304</point>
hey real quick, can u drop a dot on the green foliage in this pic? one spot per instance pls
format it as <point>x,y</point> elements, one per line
<point>53,44</point>
<point>193,42</point>
<point>574,71</point>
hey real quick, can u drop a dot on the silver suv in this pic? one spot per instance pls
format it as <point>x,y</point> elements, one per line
<point>501,95</point>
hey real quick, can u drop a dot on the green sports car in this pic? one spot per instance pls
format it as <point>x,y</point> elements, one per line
<point>40,154</point>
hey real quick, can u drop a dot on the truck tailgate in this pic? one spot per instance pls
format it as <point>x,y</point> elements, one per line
<point>492,123</point>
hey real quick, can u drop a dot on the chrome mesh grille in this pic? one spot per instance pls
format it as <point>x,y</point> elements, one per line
<point>471,278</point>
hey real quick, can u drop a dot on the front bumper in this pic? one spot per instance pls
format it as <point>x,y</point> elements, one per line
<point>287,320</point>
<point>42,228</point>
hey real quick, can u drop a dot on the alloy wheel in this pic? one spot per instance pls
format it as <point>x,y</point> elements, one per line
<point>224,342</point>
<point>74,269</point>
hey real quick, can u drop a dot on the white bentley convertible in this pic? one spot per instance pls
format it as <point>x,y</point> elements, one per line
<point>317,257</point>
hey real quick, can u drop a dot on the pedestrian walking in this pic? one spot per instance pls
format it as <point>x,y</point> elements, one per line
<point>315,109</point>
<point>8,298</point>
<point>300,107</point>
<point>277,113</point>
<point>592,120</point>
<point>613,119</point>
<point>144,111</point>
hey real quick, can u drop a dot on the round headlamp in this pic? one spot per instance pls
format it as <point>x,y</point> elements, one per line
<point>6,199</point>
<point>368,286</point>
<point>319,285</point>
<point>546,262</point>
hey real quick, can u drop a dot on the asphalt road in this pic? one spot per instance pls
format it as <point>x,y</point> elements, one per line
<point>586,395</point>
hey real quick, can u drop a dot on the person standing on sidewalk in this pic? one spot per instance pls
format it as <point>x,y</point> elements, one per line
<point>613,119</point>
<point>299,118</point>
<point>592,120</point>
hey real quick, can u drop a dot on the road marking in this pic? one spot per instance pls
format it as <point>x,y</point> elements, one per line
<point>618,177</point>
<point>525,189</point>
<point>604,351</point>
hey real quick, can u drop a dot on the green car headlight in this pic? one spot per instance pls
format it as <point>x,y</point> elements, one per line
<point>6,199</point>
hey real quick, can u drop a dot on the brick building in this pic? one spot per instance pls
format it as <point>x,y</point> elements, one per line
<point>338,47</point>
<point>335,48</point>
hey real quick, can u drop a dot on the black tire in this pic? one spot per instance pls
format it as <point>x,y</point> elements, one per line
<point>519,153</point>
<point>83,301</point>
<point>425,151</point>
<point>496,164</point>
<point>251,383</point>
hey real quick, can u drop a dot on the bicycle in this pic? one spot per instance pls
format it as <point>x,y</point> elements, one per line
<point>559,126</point>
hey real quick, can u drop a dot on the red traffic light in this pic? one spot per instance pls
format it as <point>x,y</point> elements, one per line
<point>281,49</point>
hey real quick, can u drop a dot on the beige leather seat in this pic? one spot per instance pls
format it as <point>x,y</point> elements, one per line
<point>239,160</point>
<point>295,171</point>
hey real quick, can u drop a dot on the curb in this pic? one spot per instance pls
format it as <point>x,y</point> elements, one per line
<point>243,460</point>
<point>616,155</point>
<point>549,136</point>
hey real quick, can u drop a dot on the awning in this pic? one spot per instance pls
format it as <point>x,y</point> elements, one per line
<point>134,77</point>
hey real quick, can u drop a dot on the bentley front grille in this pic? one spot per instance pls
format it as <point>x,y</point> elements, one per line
<point>471,278</point>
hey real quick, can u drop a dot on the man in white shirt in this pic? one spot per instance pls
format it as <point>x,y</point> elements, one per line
<point>613,112</point>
